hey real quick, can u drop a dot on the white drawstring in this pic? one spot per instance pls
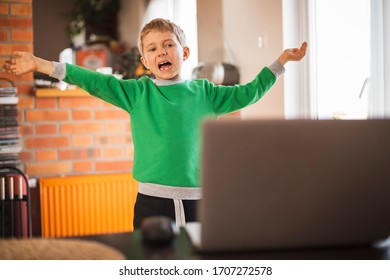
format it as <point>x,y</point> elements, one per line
<point>178,194</point>
<point>179,212</point>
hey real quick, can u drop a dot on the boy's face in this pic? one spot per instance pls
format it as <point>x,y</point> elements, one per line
<point>163,55</point>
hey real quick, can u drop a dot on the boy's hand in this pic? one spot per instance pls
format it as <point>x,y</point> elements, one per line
<point>20,63</point>
<point>293,54</point>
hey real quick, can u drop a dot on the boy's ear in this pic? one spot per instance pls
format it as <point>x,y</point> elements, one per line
<point>186,53</point>
<point>144,62</point>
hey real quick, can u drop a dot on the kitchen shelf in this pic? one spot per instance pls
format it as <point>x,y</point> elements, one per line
<point>55,92</point>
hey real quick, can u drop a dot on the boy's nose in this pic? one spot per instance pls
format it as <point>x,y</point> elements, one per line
<point>162,52</point>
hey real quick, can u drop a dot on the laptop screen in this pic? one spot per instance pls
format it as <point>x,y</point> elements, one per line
<point>287,184</point>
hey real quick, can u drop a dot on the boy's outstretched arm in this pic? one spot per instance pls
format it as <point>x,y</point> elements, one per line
<point>295,54</point>
<point>23,62</point>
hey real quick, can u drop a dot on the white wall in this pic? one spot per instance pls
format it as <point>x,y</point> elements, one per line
<point>210,44</point>
<point>130,20</point>
<point>242,22</point>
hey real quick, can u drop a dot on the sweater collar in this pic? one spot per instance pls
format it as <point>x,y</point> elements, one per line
<point>168,82</point>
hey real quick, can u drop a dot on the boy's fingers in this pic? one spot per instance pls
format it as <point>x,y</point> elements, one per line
<point>17,54</point>
<point>304,47</point>
<point>302,50</point>
<point>8,68</point>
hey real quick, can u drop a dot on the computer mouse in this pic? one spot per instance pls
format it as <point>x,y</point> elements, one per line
<point>159,230</point>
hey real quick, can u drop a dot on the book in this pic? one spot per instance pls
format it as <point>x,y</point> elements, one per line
<point>13,206</point>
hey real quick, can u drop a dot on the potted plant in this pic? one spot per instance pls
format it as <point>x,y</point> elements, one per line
<point>92,16</point>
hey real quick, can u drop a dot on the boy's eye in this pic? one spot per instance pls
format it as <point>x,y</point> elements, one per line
<point>151,49</point>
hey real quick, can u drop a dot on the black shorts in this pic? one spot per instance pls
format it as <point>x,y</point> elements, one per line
<point>147,206</point>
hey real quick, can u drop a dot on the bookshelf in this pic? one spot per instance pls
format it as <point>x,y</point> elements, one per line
<point>14,189</point>
<point>9,127</point>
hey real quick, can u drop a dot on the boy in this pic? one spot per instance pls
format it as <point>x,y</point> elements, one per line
<point>166,114</point>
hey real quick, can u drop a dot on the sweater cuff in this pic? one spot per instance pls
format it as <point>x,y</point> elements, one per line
<point>59,71</point>
<point>277,69</point>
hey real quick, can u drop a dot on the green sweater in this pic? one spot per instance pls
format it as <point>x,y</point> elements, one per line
<point>166,120</point>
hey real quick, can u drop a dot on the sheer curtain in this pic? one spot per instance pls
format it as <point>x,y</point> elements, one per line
<point>300,78</point>
<point>379,94</point>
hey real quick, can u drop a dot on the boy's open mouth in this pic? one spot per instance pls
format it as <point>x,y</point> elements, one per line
<point>164,66</point>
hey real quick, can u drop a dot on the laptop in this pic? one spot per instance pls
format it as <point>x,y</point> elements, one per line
<point>285,184</point>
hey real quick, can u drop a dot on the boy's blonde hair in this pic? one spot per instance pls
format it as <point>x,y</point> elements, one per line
<point>162,25</point>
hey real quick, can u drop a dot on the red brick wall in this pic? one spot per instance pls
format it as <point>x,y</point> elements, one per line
<point>61,135</point>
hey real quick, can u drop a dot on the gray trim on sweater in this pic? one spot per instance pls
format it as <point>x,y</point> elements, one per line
<point>277,69</point>
<point>164,191</point>
<point>59,71</point>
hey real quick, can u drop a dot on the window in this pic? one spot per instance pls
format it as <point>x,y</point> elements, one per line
<point>342,58</point>
<point>344,73</point>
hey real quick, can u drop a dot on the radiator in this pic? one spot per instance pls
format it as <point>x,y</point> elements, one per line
<point>87,204</point>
